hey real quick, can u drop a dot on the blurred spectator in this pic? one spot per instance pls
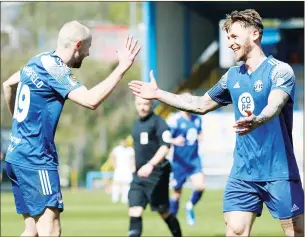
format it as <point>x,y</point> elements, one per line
<point>122,159</point>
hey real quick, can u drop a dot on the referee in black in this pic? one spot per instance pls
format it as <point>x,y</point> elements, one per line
<point>150,184</point>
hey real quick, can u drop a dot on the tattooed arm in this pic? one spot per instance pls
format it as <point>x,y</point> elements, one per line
<point>283,86</point>
<point>276,101</point>
<point>188,102</point>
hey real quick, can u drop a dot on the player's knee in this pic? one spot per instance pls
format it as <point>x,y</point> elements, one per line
<point>48,224</point>
<point>135,211</point>
<point>57,229</point>
<point>294,232</point>
<point>31,232</point>
<point>236,229</point>
<point>176,194</point>
<point>164,215</point>
<point>50,230</point>
<point>55,232</point>
<point>30,226</point>
<point>199,185</point>
<point>294,226</point>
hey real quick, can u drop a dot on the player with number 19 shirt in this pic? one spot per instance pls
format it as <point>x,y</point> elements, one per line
<point>35,96</point>
<point>44,84</point>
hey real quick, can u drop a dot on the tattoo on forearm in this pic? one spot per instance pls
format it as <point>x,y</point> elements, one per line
<point>184,102</point>
<point>189,98</point>
<point>269,112</point>
<point>262,119</point>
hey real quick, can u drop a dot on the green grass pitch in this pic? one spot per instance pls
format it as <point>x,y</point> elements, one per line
<point>91,213</point>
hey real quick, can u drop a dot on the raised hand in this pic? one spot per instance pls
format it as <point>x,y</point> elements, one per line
<point>128,53</point>
<point>144,89</point>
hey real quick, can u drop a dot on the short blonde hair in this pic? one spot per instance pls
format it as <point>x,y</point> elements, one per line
<point>247,18</point>
<point>71,32</point>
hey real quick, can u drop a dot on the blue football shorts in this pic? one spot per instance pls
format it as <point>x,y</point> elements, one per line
<point>283,198</point>
<point>34,190</point>
<point>182,173</point>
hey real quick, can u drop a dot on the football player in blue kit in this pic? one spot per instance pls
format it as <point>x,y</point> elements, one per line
<point>35,96</point>
<point>262,93</point>
<point>186,163</point>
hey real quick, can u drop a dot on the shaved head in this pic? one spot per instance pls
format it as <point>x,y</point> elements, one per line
<point>72,31</point>
<point>73,43</point>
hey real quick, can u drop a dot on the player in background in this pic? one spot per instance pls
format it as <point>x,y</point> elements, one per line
<point>186,132</point>
<point>262,93</point>
<point>35,96</point>
<point>150,184</point>
<point>122,159</point>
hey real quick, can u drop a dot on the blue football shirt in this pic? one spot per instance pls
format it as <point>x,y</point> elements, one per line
<point>189,128</point>
<point>266,153</point>
<point>45,82</point>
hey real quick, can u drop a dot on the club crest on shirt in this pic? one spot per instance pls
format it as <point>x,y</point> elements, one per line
<point>258,86</point>
<point>72,80</point>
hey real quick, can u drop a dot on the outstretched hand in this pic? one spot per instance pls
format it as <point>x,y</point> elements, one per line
<point>128,53</point>
<point>246,125</point>
<point>146,90</point>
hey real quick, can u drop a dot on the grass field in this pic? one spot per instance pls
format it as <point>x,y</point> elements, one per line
<point>91,213</point>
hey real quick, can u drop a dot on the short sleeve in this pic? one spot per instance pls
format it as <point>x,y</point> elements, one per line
<point>283,78</point>
<point>163,133</point>
<point>61,78</point>
<point>220,92</point>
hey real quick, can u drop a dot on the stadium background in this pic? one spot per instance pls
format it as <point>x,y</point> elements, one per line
<point>183,44</point>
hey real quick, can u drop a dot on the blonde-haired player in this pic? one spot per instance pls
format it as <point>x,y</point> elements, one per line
<point>35,96</point>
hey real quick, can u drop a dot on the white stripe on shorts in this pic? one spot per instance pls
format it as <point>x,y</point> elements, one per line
<point>48,181</point>
<point>42,183</point>
<point>45,182</point>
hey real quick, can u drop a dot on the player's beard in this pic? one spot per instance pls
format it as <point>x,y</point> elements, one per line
<point>77,64</point>
<point>244,51</point>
